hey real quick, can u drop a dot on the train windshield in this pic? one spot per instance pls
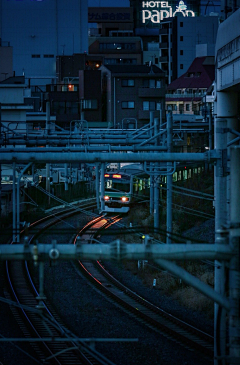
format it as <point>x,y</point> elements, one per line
<point>112,184</point>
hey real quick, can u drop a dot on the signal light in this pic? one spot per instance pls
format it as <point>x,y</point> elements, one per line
<point>106,175</point>
<point>116,176</point>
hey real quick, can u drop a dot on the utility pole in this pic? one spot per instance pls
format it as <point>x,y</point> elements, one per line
<point>169,177</point>
<point>48,165</point>
<point>156,180</point>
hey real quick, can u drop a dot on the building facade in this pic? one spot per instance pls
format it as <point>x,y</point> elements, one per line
<point>187,94</point>
<point>131,92</point>
<point>39,30</point>
<point>178,39</point>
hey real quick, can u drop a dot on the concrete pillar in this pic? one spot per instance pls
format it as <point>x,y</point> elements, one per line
<point>226,112</point>
<point>227,108</point>
<point>234,269</point>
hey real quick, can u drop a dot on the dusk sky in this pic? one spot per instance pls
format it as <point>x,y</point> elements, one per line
<point>108,3</point>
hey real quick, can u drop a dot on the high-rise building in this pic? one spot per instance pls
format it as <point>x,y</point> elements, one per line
<point>149,14</point>
<point>39,30</point>
<point>183,39</point>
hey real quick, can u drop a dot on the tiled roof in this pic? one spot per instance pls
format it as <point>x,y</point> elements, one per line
<point>200,74</point>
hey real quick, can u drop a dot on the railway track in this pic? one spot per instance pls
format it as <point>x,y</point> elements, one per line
<point>154,317</point>
<point>52,342</point>
<point>136,306</point>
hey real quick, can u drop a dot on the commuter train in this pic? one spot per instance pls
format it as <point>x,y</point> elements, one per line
<point>123,187</point>
<point>131,183</point>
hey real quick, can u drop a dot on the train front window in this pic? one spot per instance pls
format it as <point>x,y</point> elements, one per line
<point>117,185</point>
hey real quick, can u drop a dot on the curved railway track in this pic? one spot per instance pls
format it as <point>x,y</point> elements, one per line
<point>51,341</point>
<point>154,317</point>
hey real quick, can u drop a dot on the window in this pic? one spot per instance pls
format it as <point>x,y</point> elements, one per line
<point>181,66</point>
<point>90,104</point>
<point>172,107</point>
<point>127,104</point>
<point>152,83</point>
<point>116,61</point>
<point>184,175</point>
<point>181,38</point>
<point>181,52</point>
<point>36,56</point>
<point>145,105</point>
<point>127,82</point>
<point>149,105</point>
<point>48,56</point>
<point>117,46</point>
<point>181,24</point>
<point>187,107</point>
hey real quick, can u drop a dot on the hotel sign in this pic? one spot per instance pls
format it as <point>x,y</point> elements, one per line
<point>155,11</point>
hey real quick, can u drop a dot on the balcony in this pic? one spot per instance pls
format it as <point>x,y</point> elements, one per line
<point>163,59</point>
<point>146,92</point>
<point>164,31</point>
<point>163,45</point>
<point>185,95</point>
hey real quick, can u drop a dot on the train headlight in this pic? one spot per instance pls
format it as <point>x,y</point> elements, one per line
<point>106,197</point>
<point>124,199</point>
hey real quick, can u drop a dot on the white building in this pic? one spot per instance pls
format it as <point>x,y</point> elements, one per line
<point>39,30</point>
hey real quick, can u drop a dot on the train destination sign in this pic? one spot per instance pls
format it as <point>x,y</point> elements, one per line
<point>155,11</point>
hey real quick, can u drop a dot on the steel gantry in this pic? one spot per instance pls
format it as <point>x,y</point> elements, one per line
<point>225,251</point>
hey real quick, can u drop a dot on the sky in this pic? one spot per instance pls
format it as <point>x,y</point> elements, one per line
<point>108,3</point>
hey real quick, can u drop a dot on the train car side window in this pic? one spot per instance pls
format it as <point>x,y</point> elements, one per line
<point>175,177</point>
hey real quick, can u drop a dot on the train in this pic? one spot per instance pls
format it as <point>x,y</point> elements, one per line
<point>131,183</point>
<point>123,187</point>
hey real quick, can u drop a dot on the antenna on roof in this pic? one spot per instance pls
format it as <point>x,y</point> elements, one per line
<point>151,68</point>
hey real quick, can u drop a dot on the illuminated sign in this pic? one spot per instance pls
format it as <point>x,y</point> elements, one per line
<point>163,11</point>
